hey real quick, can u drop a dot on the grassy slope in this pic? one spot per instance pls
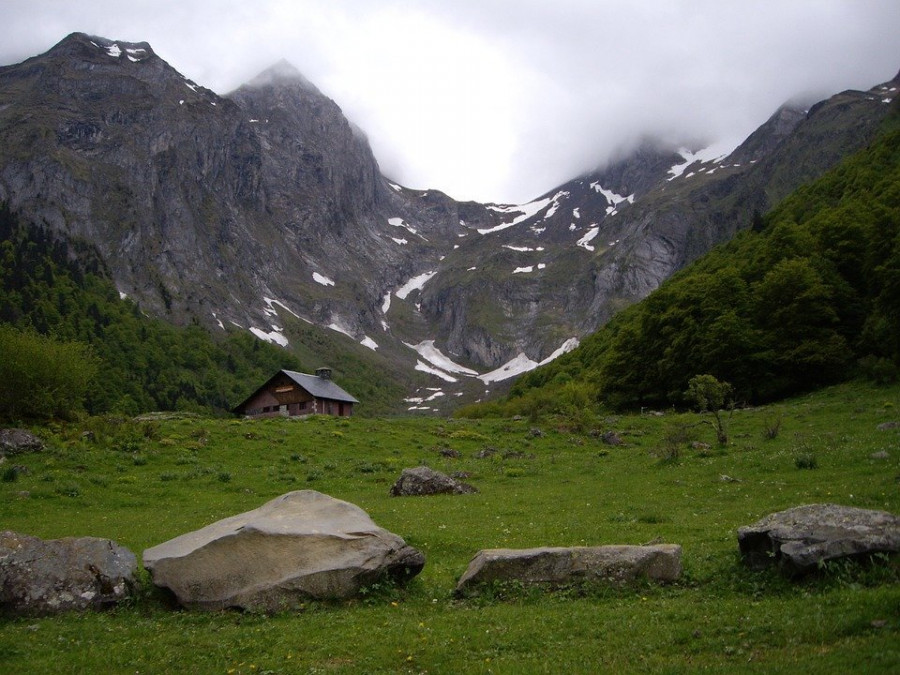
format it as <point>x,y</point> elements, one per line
<point>141,484</point>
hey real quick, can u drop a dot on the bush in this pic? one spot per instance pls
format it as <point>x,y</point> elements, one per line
<point>42,378</point>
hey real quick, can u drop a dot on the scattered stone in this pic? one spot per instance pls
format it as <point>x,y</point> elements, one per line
<point>18,441</point>
<point>450,452</point>
<point>535,432</point>
<point>485,453</point>
<point>887,426</point>
<point>611,438</point>
<point>879,623</point>
<point>459,475</point>
<point>700,445</point>
<point>423,480</point>
<point>556,567</point>
<point>801,538</point>
<point>299,546</point>
<point>40,577</point>
<point>881,454</point>
<point>728,479</point>
<point>516,454</point>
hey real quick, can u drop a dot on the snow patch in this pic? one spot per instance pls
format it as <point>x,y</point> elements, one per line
<point>335,326</point>
<point>524,270</point>
<point>434,371</point>
<point>270,307</point>
<point>369,342</point>
<point>114,50</point>
<point>585,241</point>
<point>273,336</point>
<point>522,364</point>
<point>321,279</point>
<point>525,212</point>
<point>394,186</point>
<point>523,249</point>
<point>415,284</point>
<point>402,242</point>
<point>399,222</point>
<point>123,295</point>
<point>715,153</point>
<point>576,213</point>
<point>435,357</point>
<point>386,303</point>
<point>218,321</point>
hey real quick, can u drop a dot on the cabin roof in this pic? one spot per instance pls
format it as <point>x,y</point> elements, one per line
<point>320,387</point>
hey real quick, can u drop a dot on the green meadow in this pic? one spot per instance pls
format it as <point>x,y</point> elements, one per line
<point>551,482</point>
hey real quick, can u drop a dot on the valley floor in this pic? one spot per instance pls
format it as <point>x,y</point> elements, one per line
<point>545,483</point>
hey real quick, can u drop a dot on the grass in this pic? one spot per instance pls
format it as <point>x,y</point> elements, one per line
<point>142,483</point>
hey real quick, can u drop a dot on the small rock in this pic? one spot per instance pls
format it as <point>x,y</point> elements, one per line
<point>611,438</point>
<point>887,426</point>
<point>535,432</point>
<point>450,452</point>
<point>700,445</point>
<point>40,577</point>
<point>422,481</point>
<point>881,454</point>
<point>485,453</point>
<point>18,441</point>
<point>879,623</point>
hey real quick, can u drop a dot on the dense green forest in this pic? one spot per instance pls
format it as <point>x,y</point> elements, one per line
<point>61,290</point>
<point>809,296</point>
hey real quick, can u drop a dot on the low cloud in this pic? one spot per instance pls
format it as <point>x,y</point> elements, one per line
<point>501,100</point>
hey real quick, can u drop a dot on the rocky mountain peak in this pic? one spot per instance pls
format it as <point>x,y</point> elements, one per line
<point>89,47</point>
<point>281,73</point>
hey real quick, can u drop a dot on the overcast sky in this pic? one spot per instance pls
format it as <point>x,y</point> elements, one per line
<point>502,100</point>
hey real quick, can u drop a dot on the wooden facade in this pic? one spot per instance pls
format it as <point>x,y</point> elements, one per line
<point>290,394</point>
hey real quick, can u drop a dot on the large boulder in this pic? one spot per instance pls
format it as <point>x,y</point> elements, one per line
<point>423,480</point>
<point>40,577</point>
<point>801,538</point>
<point>18,441</point>
<point>301,545</point>
<point>557,567</point>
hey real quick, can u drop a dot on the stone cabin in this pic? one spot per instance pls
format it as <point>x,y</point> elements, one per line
<point>288,393</point>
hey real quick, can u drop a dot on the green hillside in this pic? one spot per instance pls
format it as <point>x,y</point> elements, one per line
<point>61,289</point>
<point>810,295</point>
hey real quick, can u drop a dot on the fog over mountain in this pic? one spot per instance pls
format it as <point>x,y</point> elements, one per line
<point>497,100</point>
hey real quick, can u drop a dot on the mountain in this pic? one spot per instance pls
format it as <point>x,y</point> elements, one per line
<point>806,297</point>
<point>265,210</point>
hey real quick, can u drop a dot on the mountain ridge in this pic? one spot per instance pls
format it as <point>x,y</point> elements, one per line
<point>265,208</point>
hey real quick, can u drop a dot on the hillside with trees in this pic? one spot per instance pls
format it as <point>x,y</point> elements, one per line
<point>67,333</point>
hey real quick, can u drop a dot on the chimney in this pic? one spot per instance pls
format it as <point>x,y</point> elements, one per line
<point>324,373</point>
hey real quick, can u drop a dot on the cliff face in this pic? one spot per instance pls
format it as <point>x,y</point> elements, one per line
<point>267,205</point>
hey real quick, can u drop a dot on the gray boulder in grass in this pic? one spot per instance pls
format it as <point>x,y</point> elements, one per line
<point>19,441</point>
<point>799,539</point>
<point>40,577</point>
<point>559,567</point>
<point>423,481</point>
<point>300,546</point>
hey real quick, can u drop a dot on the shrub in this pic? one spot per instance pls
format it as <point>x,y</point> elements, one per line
<point>42,378</point>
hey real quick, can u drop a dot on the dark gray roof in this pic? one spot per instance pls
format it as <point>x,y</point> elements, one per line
<point>320,387</point>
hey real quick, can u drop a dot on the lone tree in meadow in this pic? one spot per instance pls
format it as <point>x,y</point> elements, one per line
<point>708,394</point>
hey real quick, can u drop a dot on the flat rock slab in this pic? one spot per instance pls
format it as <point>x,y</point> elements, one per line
<point>565,566</point>
<point>423,480</point>
<point>18,441</point>
<point>40,577</point>
<point>299,546</point>
<point>801,538</point>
